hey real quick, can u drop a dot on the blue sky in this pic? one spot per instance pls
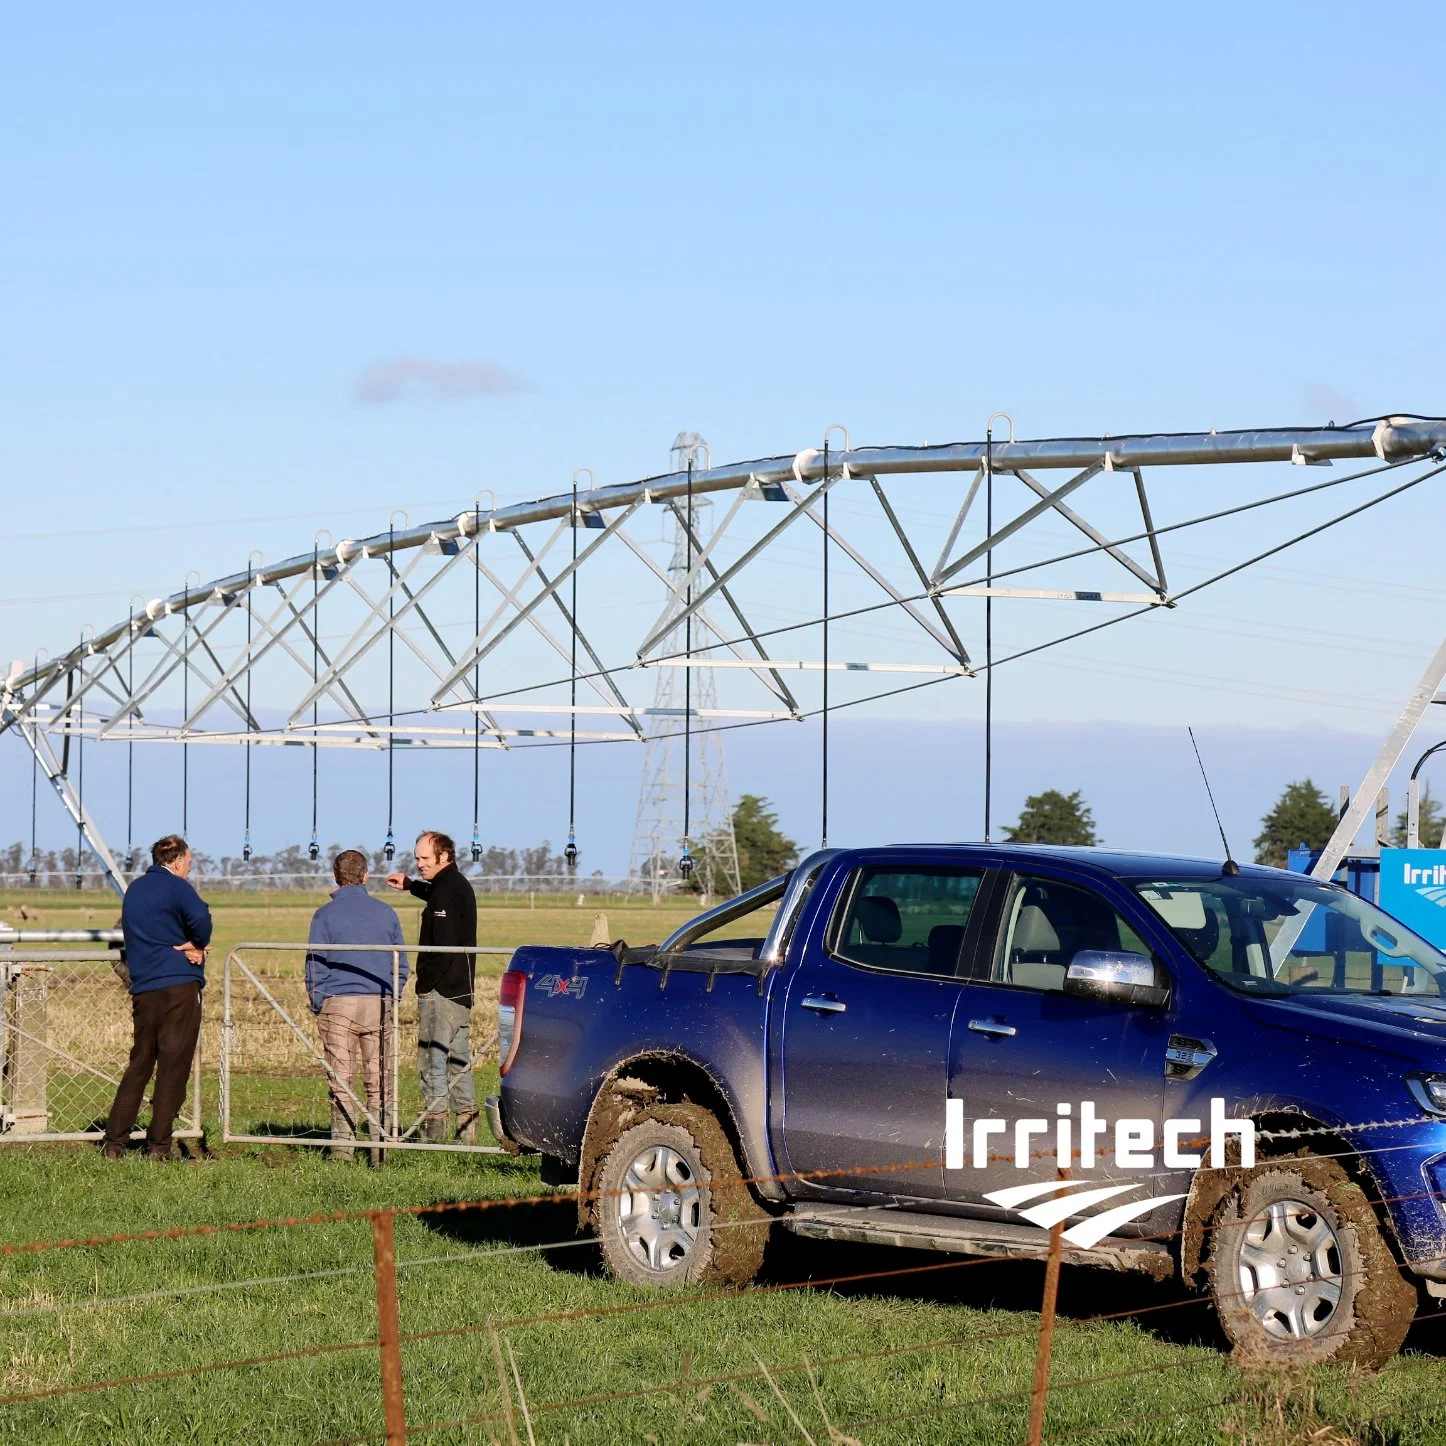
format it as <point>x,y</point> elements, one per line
<point>751,221</point>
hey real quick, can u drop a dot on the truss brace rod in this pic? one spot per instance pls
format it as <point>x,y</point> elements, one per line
<point>953,537</point>
<point>1048,501</point>
<point>781,689</point>
<point>944,618</point>
<point>1150,528</point>
<point>384,621</point>
<point>39,746</point>
<point>475,654</point>
<point>1098,538</point>
<point>577,631</point>
<point>888,587</point>
<point>679,589</point>
<point>733,569</point>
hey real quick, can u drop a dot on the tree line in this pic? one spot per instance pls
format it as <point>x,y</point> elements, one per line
<point>57,867</point>
<point>1302,817</point>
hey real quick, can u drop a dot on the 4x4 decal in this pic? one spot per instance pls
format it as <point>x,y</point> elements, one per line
<point>554,984</point>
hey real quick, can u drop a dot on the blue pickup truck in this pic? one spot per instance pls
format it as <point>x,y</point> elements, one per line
<point>1231,1076</point>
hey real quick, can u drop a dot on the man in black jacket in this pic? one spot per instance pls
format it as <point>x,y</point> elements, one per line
<point>444,987</point>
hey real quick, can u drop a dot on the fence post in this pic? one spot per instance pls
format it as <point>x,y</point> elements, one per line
<point>389,1329</point>
<point>1039,1394</point>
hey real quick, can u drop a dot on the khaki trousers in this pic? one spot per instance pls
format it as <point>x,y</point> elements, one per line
<point>355,1030</point>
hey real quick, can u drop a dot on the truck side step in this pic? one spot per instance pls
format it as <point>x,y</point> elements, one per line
<point>954,1235</point>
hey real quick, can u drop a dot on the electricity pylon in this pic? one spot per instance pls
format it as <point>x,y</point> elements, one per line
<point>659,833</point>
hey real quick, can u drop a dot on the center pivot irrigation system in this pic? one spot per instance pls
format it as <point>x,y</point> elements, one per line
<point>483,631</point>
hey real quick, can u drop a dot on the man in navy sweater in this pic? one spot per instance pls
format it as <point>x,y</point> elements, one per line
<point>167,928</point>
<point>351,993</point>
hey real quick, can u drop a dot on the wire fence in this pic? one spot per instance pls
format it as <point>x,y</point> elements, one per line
<point>319,880</point>
<point>1025,1409</point>
<point>268,1034</point>
<point>65,1037</point>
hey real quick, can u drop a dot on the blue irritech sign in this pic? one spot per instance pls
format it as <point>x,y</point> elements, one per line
<point>1413,890</point>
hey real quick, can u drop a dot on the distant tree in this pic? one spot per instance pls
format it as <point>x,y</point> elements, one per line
<point>1432,823</point>
<point>763,849</point>
<point>1053,817</point>
<point>1301,816</point>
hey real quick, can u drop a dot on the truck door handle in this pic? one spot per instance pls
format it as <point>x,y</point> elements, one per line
<point>994,1028</point>
<point>824,1005</point>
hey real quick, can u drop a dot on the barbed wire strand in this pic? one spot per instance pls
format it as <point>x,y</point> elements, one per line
<point>493,1202</point>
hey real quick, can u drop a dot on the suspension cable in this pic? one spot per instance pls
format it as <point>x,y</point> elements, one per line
<point>988,625</point>
<point>823,768</point>
<point>477,690</point>
<point>79,727</point>
<point>570,852</point>
<point>185,714</point>
<point>685,859</point>
<point>313,849</point>
<point>34,796</point>
<point>389,848</point>
<point>246,834</point>
<point>131,759</point>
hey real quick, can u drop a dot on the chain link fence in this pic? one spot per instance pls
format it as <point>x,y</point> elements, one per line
<point>65,1037</point>
<point>274,1077</point>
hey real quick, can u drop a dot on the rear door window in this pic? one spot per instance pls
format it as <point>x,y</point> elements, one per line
<point>908,920</point>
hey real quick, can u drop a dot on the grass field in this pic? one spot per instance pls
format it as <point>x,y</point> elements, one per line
<point>921,1349</point>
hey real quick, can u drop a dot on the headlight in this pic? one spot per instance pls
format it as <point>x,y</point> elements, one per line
<point>1429,1091</point>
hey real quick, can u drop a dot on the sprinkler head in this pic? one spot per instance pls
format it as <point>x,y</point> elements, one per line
<point>313,850</point>
<point>685,864</point>
<point>476,851</point>
<point>570,854</point>
<point>246,853</point>
<point>33,872</point>
<point>389,851</point>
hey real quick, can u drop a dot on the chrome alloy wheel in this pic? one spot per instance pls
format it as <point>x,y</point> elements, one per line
<point>660,1208</point>
<point>1290,1270</point>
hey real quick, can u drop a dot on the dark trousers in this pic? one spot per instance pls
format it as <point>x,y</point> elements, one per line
<point>167,1023</point>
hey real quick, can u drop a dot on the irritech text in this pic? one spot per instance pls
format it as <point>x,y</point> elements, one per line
<point>1078,1137</point>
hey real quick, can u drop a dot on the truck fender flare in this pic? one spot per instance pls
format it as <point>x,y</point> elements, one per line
<point>624,1095</point>
<point>1209,1187</point>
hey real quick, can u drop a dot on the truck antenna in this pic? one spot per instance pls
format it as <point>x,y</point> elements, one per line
<point>1230,867</point>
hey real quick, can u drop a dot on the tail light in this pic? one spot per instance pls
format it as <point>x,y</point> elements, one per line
<point>509,1017</point>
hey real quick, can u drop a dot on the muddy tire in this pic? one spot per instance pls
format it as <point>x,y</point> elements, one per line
<point>660,1220</point>
<point>1300,1272</point>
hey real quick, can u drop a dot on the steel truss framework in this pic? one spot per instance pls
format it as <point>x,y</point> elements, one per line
<point>483,689</point>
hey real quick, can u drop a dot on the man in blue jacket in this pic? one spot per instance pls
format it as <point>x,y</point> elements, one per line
<point>351,993</point>
<point>167,928</point>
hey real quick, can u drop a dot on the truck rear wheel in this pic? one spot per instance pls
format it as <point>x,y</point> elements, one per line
<point>660,1219</point>
<point>1300,1272</point>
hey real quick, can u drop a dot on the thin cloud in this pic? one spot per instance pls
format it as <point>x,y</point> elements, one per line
<point>410,379</point>
<point>1327,404</point>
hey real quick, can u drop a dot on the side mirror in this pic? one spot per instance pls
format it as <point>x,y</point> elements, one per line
<point>1116,975</point>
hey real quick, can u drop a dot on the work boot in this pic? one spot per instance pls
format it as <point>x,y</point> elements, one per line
<point>467,1128</point>
<point>434,1129</point>
<point>112,1150</point>
<point>161,1154</point>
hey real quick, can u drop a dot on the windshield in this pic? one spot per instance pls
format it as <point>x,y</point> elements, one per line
<point>1274,936</point>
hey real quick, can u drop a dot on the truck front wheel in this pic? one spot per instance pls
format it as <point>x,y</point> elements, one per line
<point>1301,1273</point>
<point>661,1220</point>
